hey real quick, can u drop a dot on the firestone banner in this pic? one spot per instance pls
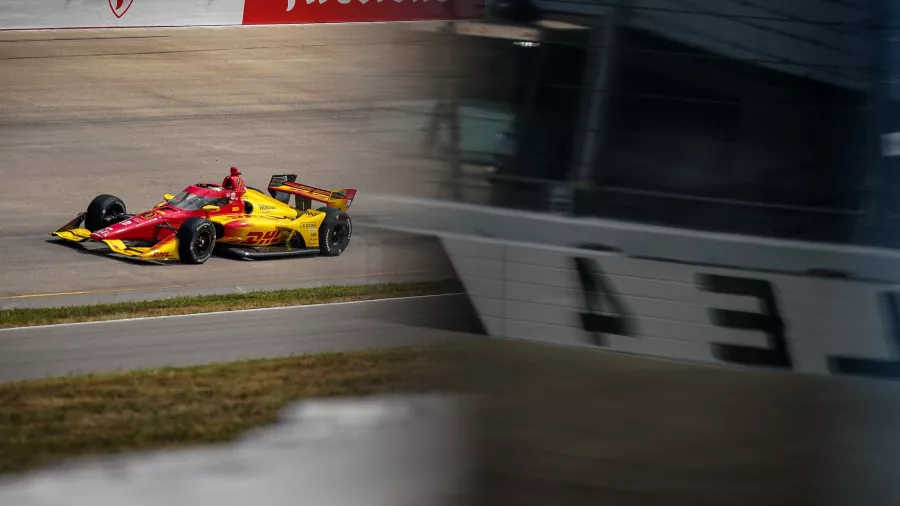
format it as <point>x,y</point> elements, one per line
<point>337,11</point>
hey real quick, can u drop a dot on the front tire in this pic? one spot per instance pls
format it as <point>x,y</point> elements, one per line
<point>335,232</point>
<point>196,241</point>
<point>103,211</point>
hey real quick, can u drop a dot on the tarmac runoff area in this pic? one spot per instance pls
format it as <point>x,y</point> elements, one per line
<point>183,340</point>
<point>141,112</point>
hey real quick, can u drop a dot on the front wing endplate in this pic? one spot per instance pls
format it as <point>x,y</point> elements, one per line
<point>74,235</point>
<point>71,231</point>
<point>166,249</point>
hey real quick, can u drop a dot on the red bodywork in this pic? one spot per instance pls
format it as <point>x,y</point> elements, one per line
<point>161,222</point>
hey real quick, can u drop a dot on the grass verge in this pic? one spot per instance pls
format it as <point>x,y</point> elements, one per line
<point>43,421</point>
<point>556,426</point>
<point>206,303</point>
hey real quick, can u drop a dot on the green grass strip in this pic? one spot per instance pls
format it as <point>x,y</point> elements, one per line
<point>23,317</point>
<point>48,420</point>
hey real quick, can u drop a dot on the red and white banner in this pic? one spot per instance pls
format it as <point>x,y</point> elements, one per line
<point>44,14</point>
<point>257,12</point>
<point>48,14</point>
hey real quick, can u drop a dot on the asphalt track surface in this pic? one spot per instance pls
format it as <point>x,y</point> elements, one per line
<point>60,350</point>
<point>141,112</point>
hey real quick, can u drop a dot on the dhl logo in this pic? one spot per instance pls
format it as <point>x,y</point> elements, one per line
<point>263,238</point>
<point>160,254</point>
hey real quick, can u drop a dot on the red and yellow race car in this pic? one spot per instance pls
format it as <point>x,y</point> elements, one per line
<point>231,217</point>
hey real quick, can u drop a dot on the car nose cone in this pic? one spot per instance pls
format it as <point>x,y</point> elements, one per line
<point>101,234</point>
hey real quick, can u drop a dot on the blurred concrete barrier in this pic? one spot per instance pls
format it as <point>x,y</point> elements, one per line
<point>669,293</point>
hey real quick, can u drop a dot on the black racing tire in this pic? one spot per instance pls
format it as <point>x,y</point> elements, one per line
<point>102,212</point>
<point>334,232</point>
<point>196,240</point>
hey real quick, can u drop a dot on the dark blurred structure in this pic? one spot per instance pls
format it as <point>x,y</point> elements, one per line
<point>744,116</point>
<point>758,117</point>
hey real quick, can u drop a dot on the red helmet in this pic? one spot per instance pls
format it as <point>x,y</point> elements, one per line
<point>235,171</point>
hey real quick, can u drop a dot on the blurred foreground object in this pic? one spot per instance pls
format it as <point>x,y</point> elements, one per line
<point>375,451</point>
<point>564,427</point>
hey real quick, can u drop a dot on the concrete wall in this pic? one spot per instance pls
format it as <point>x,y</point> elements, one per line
<point>25,14</point>
<point>48,14</point>
<point>444,218</point>
<point>669,293</point>
<point>686,312</point>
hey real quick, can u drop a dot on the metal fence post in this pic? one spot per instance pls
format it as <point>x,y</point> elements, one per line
<point>593,119</point>
<point>874,228</point>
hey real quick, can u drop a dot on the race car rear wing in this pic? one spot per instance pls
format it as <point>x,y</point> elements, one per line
<point>282,186</point>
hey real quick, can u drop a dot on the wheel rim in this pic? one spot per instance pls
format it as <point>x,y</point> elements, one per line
<point>338,233</point>
<point>202,243</point>
<point>114,210</point>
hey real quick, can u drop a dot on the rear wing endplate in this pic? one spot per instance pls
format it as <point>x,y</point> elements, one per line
<point>282,186</point>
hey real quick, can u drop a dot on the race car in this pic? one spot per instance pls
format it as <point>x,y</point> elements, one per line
<point>230,217</point>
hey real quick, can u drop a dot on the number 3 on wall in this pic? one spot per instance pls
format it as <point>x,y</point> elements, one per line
<point>768,322</point>
<point>772,324</point>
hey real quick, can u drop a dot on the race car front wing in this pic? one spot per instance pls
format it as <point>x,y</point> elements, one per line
<point>167,249</point>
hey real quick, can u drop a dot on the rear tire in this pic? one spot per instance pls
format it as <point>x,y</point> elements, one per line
<point>335,232</point>
<point>196,240</point>
<point>102,212</point>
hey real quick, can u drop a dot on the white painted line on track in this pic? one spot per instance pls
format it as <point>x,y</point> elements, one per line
<point>274,308</point>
